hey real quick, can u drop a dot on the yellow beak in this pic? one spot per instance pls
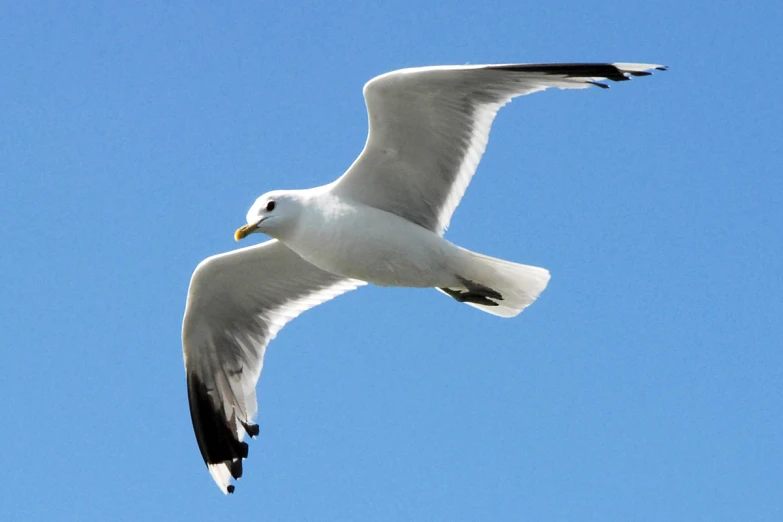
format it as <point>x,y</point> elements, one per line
<point>243,232</point>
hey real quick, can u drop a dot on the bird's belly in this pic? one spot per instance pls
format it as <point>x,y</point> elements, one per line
<point>379,248</point>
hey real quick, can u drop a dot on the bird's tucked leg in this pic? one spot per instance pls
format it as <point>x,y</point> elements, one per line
<point>474,293</point>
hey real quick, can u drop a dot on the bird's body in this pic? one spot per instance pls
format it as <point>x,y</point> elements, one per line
<point>385,249</point>
<point>382,222</point>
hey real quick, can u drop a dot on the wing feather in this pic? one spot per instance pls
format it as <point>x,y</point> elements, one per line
<point>236,304</point>
<point>429,127</point>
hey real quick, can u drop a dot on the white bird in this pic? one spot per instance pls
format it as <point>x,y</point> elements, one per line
<point>381,222</point>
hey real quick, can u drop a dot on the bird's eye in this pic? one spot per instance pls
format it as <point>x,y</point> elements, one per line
<point>270,206</point>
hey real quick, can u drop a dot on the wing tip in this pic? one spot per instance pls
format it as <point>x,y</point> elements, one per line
<point>625,71</point>
<point>590,73</point>
<point>251,429</point>
<point>219,442</point>
<point>639,69</point>
<point>222,477</point>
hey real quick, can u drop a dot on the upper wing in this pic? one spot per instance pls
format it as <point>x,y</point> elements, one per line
<point>237,303</point>
<point>429,127</point>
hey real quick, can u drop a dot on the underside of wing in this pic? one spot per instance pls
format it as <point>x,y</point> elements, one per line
<point>429,126</point>
<point>237,302</point>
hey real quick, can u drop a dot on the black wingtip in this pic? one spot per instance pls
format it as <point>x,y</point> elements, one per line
<point>609,71</point>
<point>571,70</point>
<point>230,489</point>
<point>236,469</point>
<point>662,68</point>
<point>251,429</point>
<point>216,435</point>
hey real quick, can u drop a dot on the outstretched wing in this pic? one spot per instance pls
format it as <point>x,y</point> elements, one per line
<point>429,127</point>
<point>237,303</point>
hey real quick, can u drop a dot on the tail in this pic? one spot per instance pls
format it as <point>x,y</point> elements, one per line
<point>485,277</point>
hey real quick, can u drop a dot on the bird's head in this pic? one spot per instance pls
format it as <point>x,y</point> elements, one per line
<point>272,214</point>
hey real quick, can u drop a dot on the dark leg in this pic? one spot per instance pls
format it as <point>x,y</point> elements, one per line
<point>474,293</point>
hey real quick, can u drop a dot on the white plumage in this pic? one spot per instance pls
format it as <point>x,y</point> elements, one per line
<point>381,222</point>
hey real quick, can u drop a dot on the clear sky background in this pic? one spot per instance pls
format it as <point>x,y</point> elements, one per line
<point>645,384</point>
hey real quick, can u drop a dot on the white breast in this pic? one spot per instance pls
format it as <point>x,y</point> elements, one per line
<point>362,242</point>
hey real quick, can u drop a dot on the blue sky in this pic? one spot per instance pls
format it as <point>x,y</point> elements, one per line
<point>645,384</point>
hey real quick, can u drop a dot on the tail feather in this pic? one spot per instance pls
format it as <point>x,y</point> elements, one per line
<point>519,285</point>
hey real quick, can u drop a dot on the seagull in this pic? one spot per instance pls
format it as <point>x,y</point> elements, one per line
<point>381,222</point>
